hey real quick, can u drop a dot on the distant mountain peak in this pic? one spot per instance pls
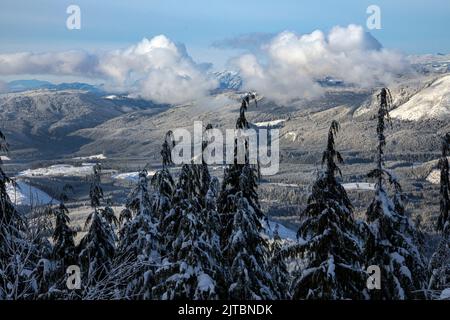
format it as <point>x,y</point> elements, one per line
<point>34,84</point>
<point>228,80</point>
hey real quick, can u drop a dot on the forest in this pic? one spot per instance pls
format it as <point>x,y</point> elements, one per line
<point>194,237</point>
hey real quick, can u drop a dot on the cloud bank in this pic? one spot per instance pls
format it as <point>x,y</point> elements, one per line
<point>292,64</point>
<point>282,67</point>
<point>155,69</point>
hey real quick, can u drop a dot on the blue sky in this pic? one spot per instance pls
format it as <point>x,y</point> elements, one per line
<point>411,26</point>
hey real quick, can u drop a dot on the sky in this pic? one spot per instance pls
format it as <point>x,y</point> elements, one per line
<point>220,33</point>
<point>412,26</point>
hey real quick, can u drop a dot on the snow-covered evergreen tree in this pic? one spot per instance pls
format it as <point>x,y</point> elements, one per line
<point>233,178</point>
<point>163,184</point>
<point>186,196</point>
<point>46,278</point>
<point>211,231</point>
<point>444,217</point>
<point>64,249</point>
<point>166,151</point>
<point>230,184</point>
<point>205,177</point>
<point>139,240</point>
<point>329,239</point>
<point>278,268</point>
<point>439,266</point>
<point>17,255</point>
<point>247,252</point>
<point>392,240</point>
<point>97,247</point>
<point>11,222</point>
<point>192,267</point>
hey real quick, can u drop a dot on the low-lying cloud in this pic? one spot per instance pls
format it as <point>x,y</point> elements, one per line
<point>155,69</point>
<point>282,67</point>
<point>292,64</point>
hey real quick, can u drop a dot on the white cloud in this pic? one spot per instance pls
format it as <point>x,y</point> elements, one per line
<point>161,70</point>
<point>60,63</point>
<point>284,67</point>
<point>292,64</point>
<point>155,69</point>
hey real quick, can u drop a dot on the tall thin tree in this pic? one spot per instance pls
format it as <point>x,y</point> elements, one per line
<point>329,239</point>
<point>392,239</point>
<point>439,266</point>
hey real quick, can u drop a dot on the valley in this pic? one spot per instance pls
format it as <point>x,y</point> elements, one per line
<point>56,136</point>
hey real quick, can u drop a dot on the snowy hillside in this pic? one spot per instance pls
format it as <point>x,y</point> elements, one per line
<point>60,170</point>
<point>270,124</point>
<point>228,80</point>
<point>24,194</point>
<point>130,176</point>
<point>283,232</point>
<point>100,156</point>
<point>432,102</point>
<point>362,186</point>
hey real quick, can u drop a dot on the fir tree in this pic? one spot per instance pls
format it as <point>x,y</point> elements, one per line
<point>205,177</point>
<point>46,277</point>
<point>329,238</point>
<point>185,197</point>
<point>444,218</point>
<point>234,181</point>
<point>440,261</point>
<point>211,231</point>
<point>392,240</point>
<point>138,237</point>
<point>166,151</point>
<point>11,223</point>
<point>162,182</point>
<point>17,254</point>
<point>247,252</point>
<point>97,247</point>
<point>278,268</point>
<point>192,266</point>
<point>139,241</point>
<point>63,236</point>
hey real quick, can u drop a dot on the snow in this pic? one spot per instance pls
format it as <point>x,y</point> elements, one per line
<point>4,158</point>
<point>111,97</point>
<point>434,177</point>
<point>272,123</point>
<point>100,156</point>
<point>228,80</point>
<point>25,194</point>
<point>130,176</point>
<point>283,232</point>
<point>291,135</point>
<point>59,170</point>
<point>364,186</point>
<point>331,267</point>
<point>281,184</point>
<point>432,102</point>
<point>359,186</point>
<point>445,294</point>
<point>205,283</point>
